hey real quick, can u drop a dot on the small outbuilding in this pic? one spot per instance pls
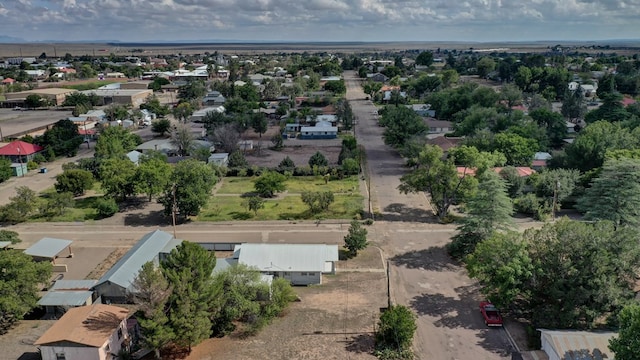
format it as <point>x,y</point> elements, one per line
<point>48,249</point>
<point>219,159</point>
<point>576,345</point>
<point>65,294</point>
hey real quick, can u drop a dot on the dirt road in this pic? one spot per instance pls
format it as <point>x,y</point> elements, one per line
<point>422,275</point>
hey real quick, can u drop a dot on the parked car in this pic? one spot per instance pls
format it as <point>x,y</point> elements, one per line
<point>491,314</point>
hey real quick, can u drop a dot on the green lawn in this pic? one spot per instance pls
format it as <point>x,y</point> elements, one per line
<point>84,209</point>
<point>298,184</point>
<point>226,208</point>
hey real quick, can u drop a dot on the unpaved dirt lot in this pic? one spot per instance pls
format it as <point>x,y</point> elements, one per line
<point>18,342</point>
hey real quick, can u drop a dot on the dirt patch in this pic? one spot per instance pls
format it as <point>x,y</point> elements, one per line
<point>105,265</point>
<point>334,320</point>
<point>369,259</point>
<point>18,342</point>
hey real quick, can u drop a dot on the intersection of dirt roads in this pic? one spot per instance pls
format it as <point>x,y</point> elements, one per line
<point>422,276</point>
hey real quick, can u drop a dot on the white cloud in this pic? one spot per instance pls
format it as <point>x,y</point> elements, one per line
<point>321,19</point>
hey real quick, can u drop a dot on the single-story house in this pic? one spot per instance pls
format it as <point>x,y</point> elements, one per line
<point>198,116</point>
<point>292,127</point>
<point>435,126</point>
<point>162,145</point>
<point>115,285</point>
<point>214,98</point>
<point>445,143</point>
<point>322,130</point>
<point>302,264</point>
<point>377,77</point>
<point>576,345</point>
<point>523,171</point>
<point>65,294</point>
<point>96,332</point>
<point>19,151</point>
<point>220,159</point>
<point>387,95</point>
<point>422,110</point>
<point>48,249</point>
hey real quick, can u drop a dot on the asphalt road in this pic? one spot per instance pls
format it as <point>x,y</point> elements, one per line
<point>422,274</point>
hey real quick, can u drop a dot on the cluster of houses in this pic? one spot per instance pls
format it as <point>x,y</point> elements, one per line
<point>90,326</point>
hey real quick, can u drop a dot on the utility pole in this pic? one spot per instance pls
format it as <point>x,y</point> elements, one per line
<point>20,160</point>
<point>174,208</point>
<point>555,199</point>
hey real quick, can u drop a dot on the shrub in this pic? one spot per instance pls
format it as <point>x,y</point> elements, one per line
<point>318,159</point>
<point>39,158</point>
<point>106,207</point>
<point>32,165</point>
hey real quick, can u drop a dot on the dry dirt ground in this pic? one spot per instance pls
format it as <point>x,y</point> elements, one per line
<point>334,320</point>
<point>18,342</point>
<point>298,150</point>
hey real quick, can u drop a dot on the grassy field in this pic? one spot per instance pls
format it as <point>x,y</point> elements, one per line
<point>296,185</point>
<point>226,208</point>
<point>83,209</point>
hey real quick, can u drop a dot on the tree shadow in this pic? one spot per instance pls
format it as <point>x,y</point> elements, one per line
<point>434,258</point>
<point>400,212</point>
<point>241,215</point>
<point>361,344</point>
<point>152,218</point>
<point>462,312</point>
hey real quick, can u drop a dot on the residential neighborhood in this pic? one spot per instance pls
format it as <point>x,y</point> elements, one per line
<point>320,204</point>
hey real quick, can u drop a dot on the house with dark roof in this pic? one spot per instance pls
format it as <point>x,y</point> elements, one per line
<point>96,332</point>
<point>445,143</point>
<point>115,285</point>
<point>19,151</point>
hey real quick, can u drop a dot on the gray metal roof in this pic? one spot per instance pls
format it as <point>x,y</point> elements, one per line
<point>4,244</point>
<point>73,285</point>
<point>47,247</point>
<point>65,298</point>
<point>570,345</point>
<point>287,257</point>
<point>146,249</point>
<point>223,264</point>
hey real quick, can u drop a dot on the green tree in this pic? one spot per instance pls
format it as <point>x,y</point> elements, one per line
<point>553,123</point>
<point>5,170</point>
<point>488,211</point>
<point>152,103</point>
<point>188,270</point>
<point>255,203</point>
<point>57,203</point>
<point>106,207</point>
<point>318,201</point>
<point>20,284</point>
<point>626,345</point>
<point>150,291</point>
<point>318,159</point>
<point>10,236</point>
<point>62,138</point>
<point>440,178</point>
<point>396,329</point>
<point>335,86</point>
<point>190,186</point>
<point>237,160</point>
<point>259,124</point>
<point>615,194</point>
<point>518,150</point>
<point>115,142</point>
<point>33,101</point>
<point>115,112</point>
<point>401,123</point>
<point>371,88</point>
<point>484,66</point>
<point>511,95</point>
<point>573,105</point>
<point>356,239</point>
<point>425,58</point>
<point>286,165</point>
<point>269,183</point>
<point>74,181</point>
<point>152,176</point>
<point>161,126</point>
<point>21,206</point>
<point>117,178</point>
<point>515,182</point>
<point>555,183</point>
<point>183,111</point>
<point>192,90</point>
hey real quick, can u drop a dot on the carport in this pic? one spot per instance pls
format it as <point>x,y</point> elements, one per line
<point>48,249</point>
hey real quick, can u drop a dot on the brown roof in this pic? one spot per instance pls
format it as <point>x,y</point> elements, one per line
<point>445,143</point>
<point>430,122</point>
<point>85,325</point>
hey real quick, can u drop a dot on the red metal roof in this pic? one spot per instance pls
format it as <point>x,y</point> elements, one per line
<point>16,148</point>
<point>8,81</point>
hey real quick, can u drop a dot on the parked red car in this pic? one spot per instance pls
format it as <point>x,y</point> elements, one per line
<point>490,314</point>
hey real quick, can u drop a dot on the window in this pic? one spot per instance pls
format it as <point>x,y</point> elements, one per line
<point>285,273</point>
<point>303,274</point>
<point>312,274</point>
<point>60,356</point>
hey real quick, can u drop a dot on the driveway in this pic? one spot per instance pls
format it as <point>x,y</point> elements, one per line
<point>423,276</point>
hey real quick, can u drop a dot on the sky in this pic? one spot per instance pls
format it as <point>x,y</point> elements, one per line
<point>320,20</point>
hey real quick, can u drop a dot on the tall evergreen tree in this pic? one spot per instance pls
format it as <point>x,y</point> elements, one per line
<point>188,269</point>
<point>488,211</point>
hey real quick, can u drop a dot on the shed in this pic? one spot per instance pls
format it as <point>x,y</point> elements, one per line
<point>115,284</point>
<point>19,169</point>
<point>576,345</point>
<point>47,249</point>
<point>302,264</point>
<point>220,159</point>
<point>57,302</point>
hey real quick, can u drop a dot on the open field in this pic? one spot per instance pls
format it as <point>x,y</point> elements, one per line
<point>298,184</point>
<point>150,49</point>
